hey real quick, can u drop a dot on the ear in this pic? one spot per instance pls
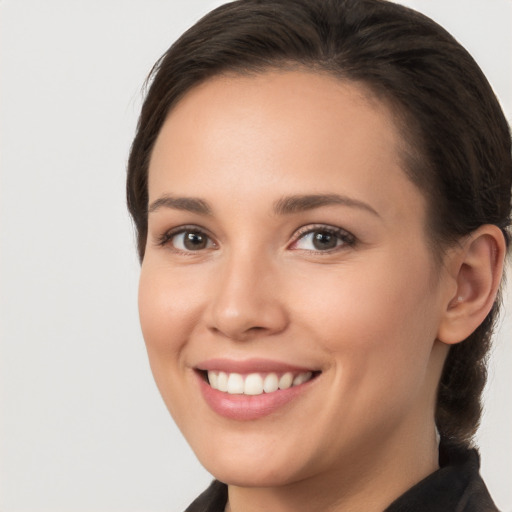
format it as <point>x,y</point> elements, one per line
<point>476,266</point>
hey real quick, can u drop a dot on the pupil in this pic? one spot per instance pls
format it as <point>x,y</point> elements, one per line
<point>194,241</point>
<point>323,240</point>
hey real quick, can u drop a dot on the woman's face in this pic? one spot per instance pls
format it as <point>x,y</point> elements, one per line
<point>287,247</point>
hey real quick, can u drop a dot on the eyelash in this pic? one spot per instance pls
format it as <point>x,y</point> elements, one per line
<point>167,237</point>
<point>343,236</point>
<point>347,239</point>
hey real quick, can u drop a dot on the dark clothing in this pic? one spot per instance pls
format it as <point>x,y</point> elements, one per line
<point>214,499</point>
<point>455,487</point>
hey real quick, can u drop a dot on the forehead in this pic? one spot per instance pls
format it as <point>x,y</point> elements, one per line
<point>291,129</point>
<point>314,98</point>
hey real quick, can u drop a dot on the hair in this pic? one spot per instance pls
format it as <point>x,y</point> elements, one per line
<point>457,139</point>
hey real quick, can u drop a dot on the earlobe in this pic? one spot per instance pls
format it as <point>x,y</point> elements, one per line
<point>477,269</point>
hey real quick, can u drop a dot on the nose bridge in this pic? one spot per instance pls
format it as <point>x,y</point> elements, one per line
<point>245,300</point>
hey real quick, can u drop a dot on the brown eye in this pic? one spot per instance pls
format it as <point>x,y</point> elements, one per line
<point>323,239</point>
<point>194,241</point>
<point>188,240</point>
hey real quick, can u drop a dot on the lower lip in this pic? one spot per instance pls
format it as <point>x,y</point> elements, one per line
<point>249,407</point>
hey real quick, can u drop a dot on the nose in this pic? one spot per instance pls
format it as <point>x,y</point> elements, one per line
<point>246,303</point>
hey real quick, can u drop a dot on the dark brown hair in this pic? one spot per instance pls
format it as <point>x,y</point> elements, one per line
<point>456,137</point>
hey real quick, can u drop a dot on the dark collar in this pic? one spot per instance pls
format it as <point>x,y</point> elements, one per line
<point>214,499</point>
<point>455,487</point>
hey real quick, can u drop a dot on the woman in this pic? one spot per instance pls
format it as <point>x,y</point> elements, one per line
<point>321,192</point>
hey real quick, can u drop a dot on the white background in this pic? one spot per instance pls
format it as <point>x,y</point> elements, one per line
<point>82,427</point>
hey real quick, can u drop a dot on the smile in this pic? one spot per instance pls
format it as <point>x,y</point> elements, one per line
<point>255,383</point>
<point>250,390</point>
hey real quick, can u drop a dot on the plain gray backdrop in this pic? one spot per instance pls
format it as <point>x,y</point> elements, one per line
<point>82,427</point>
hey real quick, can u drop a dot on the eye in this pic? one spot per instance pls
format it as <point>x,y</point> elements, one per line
<point>323,239</point>
<point>187,240</point>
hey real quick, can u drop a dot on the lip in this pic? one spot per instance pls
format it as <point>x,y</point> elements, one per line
<point>251,366</point>
<point>247,407</point>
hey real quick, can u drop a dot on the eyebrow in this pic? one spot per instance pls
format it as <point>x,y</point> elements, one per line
<point>300,203</point>
<point>190,204</point>
<point>283,206</point>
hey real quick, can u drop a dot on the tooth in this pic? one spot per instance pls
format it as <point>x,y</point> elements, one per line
<point>271,383</point>
<point>222,381</point>
<point>286,381</point>
<point>213,378</point>
<point>253,384</point>
<point>235,384</point>
<point>301,378</point>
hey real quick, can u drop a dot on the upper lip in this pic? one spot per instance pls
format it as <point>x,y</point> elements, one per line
<point>250,366</point>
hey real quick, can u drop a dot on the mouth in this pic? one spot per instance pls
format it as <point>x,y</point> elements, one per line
<point>252,389</point>
<point>258,383</point>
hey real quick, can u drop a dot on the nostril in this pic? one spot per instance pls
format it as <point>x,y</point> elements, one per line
<point>242,334</point>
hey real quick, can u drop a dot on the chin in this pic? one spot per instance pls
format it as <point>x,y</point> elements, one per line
<point>255,460</point>
<point>242,473</point>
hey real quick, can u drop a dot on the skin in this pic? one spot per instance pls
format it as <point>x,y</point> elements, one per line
<point>368,314</point>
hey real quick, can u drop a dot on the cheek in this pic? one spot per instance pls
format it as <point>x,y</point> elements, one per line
<point>379,338</point>
<point>378,318</point>
<point>168,312</point>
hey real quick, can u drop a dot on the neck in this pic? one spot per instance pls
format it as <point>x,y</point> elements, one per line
<point>368,483</point>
